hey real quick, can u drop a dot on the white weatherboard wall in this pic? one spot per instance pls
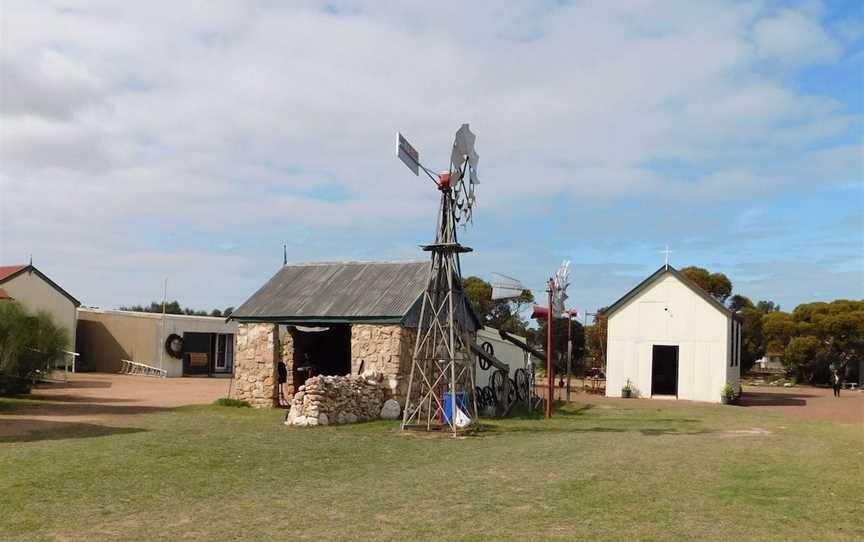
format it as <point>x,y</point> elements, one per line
<point>668,312</point>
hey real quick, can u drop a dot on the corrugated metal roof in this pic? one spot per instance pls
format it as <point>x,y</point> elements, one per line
<point>338,291</point>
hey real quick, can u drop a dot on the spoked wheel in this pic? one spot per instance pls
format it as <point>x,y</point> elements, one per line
<point>522,385</point>
<point>479,397</point>
<point>488,396</point>
<point>499,383</point>
<point>511,391</point>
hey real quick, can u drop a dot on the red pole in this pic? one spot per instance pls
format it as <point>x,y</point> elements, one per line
<point>549,380</point>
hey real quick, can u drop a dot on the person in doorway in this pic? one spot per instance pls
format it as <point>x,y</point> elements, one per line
<point>835,381</point>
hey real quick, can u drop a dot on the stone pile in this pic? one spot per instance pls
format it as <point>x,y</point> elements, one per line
<point>325,400</point>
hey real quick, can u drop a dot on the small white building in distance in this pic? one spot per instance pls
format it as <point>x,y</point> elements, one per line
<point>671,339</point>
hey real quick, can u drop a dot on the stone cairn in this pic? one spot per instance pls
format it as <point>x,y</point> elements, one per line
<point>325,400</point>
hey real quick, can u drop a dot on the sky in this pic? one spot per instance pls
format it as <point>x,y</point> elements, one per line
<point>190,140</point>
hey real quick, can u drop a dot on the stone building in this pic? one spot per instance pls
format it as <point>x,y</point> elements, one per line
<point>329,319</point>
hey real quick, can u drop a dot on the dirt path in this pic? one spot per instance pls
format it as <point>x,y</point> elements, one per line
<point>107,398</point>
<point>806,402</point>
<point>799,403</point>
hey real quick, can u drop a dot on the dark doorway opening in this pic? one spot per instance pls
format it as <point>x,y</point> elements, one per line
<point>664,370</point>
<point>197,353</point>
<point>322,350</point>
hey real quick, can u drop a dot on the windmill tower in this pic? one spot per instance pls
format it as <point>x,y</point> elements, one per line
<point>441,383</point>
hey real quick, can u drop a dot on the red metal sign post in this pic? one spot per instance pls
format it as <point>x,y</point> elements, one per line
<point>549,379</point>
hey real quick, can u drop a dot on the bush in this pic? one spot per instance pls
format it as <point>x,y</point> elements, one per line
<point>28,344</point>
<point>227,401</point>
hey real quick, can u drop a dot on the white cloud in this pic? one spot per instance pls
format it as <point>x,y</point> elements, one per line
<point>793,38</point>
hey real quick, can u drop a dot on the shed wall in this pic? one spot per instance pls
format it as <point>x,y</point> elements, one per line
<point>107,337</point>
<point>35,294</point>
<point>509,353</point>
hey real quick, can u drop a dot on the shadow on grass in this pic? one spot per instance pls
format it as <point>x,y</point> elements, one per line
<point>73,384</point>
<point>69,398</point>
<point>50,407</point>
<point>649,432</point>
<point>39,430</point>
<point>767,398</point>
<point>520,412</point>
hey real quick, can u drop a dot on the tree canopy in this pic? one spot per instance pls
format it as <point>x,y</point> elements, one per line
<point>500,313</point>
<point>28,343</point>
<point>716,284</point>
<point>173,307</point>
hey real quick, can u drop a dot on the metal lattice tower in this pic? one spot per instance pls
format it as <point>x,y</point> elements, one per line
<point>440,393</point>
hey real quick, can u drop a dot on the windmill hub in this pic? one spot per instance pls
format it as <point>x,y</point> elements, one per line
<point>444,181</point>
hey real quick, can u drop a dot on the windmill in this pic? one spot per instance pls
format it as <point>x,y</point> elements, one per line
<point>556,288</point>
<point>440,392</point>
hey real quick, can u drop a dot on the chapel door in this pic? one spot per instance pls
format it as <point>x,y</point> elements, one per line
<point>664,370</point>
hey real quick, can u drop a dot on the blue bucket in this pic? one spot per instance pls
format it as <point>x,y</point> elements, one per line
<point>461,403</point>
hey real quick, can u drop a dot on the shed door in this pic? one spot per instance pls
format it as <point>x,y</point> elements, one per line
<point>664,370</point>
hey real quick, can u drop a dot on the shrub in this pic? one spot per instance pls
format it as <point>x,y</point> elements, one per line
<point>28,344</point>
<point>227,401</point>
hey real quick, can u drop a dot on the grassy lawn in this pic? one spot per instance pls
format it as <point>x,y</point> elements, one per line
<point>618,471</point>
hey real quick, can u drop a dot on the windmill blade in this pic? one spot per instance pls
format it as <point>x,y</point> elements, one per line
<point>506,287</point>
<point>463,149</point>
<point>562,281</point>
<point>558,303</point>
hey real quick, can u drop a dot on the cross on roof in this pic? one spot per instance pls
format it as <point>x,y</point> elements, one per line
<point>667,252</point>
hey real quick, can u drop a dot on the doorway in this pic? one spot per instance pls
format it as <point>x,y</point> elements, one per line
<point>664,370</point>
<point>208,353</point>
<point>223,360</point>
<point>197,353</point>
<point>321,351</point>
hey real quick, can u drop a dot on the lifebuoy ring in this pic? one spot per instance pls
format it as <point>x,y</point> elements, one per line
<point>174,346</point>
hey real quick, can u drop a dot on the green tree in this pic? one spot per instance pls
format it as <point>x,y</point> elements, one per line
<point>505,314</point>
<point>738,302</point>
<point>28,343</point>
<point>767,306</point>
<point>778,328</point>
<point>803,357</point>
<point>839,328</point>
<point>752,337</point>
<point>595,338</point>
<point>479,294</point>
<point>173,307</point>
<point>716,284</point>
<point>537,338</point>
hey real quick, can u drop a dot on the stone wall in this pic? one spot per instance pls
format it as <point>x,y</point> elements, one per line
<point>324,400</point>
<point>383,350</point>
<point>255,359</point>
<point>386,350</point>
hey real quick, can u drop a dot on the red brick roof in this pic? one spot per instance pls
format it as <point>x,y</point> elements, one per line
<point>7,270</point>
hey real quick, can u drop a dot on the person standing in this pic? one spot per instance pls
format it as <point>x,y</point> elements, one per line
<point>835,380</point>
